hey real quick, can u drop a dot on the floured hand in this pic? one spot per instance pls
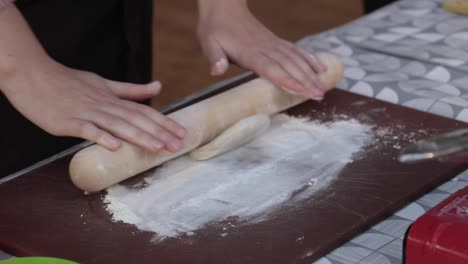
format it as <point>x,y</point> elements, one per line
<point>228,30</point>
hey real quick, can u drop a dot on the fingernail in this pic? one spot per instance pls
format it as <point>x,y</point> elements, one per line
<point>157,145</point>
<point>297,90</point>
<point>314,92</point>
<point>315,96</point>
<point>112,142</point>
<point>175,145</point>
<point>220,66</point>
<point>154,86</point>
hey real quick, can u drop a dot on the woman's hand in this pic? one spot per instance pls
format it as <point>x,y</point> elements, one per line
<point>68,102</point>
<point>228,30</point>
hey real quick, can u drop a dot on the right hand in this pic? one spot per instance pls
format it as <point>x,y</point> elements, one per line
<point>228,30</point>
<point>68,102</point>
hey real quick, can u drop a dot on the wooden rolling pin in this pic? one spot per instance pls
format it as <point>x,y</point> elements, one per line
<point>96,168</point>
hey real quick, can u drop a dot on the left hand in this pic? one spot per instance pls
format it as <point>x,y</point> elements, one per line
<point>228,30</point>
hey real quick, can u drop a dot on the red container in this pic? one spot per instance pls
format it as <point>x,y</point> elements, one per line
<point>441,235</point>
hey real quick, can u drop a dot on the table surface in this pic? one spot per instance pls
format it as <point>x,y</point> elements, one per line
<point>51,217</point>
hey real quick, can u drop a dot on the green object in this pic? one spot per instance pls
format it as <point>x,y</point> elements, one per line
<point>37,260</point>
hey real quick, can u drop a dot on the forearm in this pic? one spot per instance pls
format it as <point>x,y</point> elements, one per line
<point>210,7</point>
<point>4,3</point>
<point>19,48</point>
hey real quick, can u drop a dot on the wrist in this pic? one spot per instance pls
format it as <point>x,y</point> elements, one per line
<point>210,8</point>
<point>15,70</point>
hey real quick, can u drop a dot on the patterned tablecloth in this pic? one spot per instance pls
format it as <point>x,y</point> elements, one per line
<point>411,53</point>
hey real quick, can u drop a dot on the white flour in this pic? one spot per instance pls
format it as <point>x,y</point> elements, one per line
<point>288,163</point>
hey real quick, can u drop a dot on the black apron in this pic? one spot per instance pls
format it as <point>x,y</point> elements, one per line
<point>109,37</point>
<point>372,5</point>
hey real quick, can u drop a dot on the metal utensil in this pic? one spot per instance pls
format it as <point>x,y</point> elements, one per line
<point>450,146</point>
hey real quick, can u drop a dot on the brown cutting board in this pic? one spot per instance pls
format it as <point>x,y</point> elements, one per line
<point>41,213</point>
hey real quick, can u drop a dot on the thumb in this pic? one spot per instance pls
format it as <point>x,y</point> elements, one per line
<point>217,57</point>
<point>132,91</point>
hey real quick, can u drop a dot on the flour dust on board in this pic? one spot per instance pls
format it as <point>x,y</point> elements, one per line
<point>288,163</point>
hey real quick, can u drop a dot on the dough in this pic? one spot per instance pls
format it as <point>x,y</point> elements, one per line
<point>235,136</point>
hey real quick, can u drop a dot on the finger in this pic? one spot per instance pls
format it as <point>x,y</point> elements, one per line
<point>271,70</point>
<point>309,88</point>
<point>134,91</point>
<point>142,121</point>
<point>125,130</point>
<point>313,61</point>
<point>164,121</point>
<point>87,130</point>
<point>309,73</point>
<point>216,55</point>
